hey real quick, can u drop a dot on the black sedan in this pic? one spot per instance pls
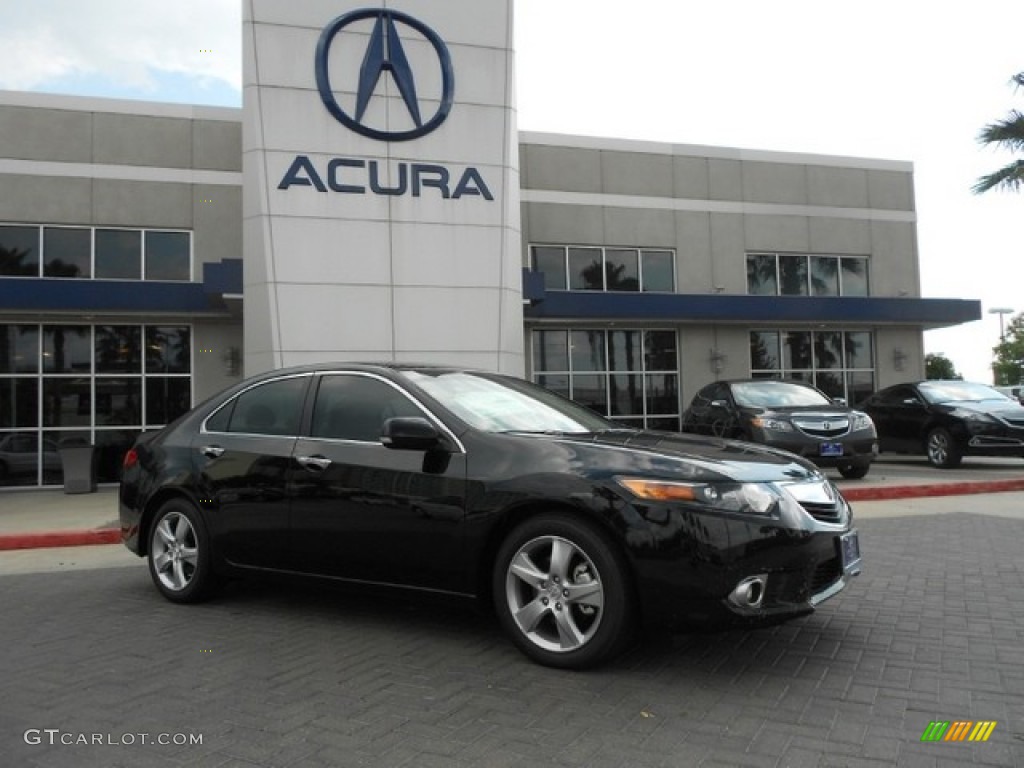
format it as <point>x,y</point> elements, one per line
<point>789,415</point>
<point>485,486</point>
<point>947,420</point>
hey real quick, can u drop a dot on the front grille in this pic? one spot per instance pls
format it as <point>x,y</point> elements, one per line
<point>1015,422</point>
<point>821,427</point>
<point>825,574</point>
<point>825,512</point>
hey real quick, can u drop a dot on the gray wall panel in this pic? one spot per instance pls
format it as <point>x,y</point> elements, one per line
<point>45,134</point>
<point>562,168</point>
<point>843,187</point>
<point>45,199</point>
<point>636,173</point>
<point>142,204</point>
<point>217,224</point>
<point>164,142</point>
<point>217,145</point>
<point>774,183</point>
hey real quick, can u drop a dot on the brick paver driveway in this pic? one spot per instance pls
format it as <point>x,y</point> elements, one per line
<point>282,675</point>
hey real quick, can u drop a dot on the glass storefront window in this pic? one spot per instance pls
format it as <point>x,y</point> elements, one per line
<point>551,350</point>
<point>793,275</point>
<point>842,364</point>
<point>56,385</point>
<point>19,251</point>
<point>119,254</point>
<point>68,252</point>
<point>167,398</point>
<point>168,256</point>
<point>658,272</point>
<point>551,261</point>
<point>118,349</point>
<point>592,268</point>
<point>586,269</point>
<point>19,348</point>
<point>167,349</point>
<point>622,270</point>
<point>19,402</point>
<point>854,277</point>
<point>762,275</point>
<point>67,348</point>
<point>824,276</point>
<point>628,375</point>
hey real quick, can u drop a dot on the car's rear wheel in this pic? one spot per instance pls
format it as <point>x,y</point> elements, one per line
<point>561,592</point>
<point>179,553</point>
<point>854,471</point>
<point>942,450</point>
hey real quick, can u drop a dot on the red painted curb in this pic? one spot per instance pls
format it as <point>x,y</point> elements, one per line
<point>881,492</point>
<point>59,539</point>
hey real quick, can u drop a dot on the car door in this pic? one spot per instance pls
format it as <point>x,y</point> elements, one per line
<point>242,456</point>
<point>899,414</point>
<point>365,512</point>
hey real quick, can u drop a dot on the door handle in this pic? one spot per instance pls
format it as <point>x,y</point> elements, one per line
<point>211,451</point>
<point>314,463</point>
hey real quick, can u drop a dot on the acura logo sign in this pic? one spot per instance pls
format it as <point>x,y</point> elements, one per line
<point>386,54</point>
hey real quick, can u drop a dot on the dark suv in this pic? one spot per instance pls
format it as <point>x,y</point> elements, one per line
<point>786,414</point>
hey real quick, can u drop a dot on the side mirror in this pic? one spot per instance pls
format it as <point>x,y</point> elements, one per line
<point>410,433</point>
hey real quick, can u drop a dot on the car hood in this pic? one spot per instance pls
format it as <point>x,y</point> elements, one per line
<point>1007,411</point>
<point>689,457</point>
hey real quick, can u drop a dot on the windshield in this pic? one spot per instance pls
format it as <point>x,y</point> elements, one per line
<point>776,394</point>
<point>958,392</point>
<point>501,404</point>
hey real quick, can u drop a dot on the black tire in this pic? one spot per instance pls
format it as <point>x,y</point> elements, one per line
<point>942,450</point>
<point>561,593</point>
<point>179,553</point>
<point>854,471</point>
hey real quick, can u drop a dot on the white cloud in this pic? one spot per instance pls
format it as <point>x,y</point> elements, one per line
<point>126,42</point>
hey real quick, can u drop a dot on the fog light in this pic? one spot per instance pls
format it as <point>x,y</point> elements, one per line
<point>749,593</point>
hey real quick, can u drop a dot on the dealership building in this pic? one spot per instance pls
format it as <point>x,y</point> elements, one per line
<point>374,200</point>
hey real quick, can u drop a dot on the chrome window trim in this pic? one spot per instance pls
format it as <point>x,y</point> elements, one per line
<point>204,431</point>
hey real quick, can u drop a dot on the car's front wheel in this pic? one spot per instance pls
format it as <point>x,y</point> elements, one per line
<point>561,592</point>
<point>942,450</point>
<point>179,553</point>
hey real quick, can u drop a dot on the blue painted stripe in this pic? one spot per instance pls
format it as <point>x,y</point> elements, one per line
<point>62,295</point>
<point>720,308</point>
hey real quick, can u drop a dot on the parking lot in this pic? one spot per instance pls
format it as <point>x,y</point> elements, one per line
<point>276,674</point>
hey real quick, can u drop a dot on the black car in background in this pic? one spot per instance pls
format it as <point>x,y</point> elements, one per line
<point>473,484</point>
<point>947,420</point>
<point>790,415</point>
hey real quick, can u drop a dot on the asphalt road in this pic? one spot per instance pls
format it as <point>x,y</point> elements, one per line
<point>275,674</point>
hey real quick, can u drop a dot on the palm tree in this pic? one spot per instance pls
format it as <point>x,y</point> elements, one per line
<point>1007,133</point>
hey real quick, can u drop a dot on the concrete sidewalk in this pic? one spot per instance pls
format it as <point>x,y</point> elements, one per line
<point>35,518</point>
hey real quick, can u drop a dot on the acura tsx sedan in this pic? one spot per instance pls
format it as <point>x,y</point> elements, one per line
<point>572,528</point>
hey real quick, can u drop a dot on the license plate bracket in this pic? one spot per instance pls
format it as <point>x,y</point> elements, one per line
<point>849,552</point>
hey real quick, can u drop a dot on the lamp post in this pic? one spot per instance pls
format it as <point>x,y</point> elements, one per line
<point>1002,312</point>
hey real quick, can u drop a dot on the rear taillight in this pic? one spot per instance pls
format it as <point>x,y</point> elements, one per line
<point>131,458</point>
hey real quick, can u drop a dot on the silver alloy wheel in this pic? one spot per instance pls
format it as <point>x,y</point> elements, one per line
<point>174,551</point>
<point>555,594</point>
<point>938,448</point>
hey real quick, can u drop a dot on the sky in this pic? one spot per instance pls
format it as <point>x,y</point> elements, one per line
<point>910,81</point>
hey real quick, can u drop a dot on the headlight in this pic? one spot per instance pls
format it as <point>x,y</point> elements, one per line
<point>860,420</point>
<point>744,498</point>
<point>969,416</point>
<point>773,425</point>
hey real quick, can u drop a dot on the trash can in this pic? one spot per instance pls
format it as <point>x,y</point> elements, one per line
<point>78,460</point>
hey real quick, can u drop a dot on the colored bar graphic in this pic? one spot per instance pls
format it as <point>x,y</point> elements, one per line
<point>958,730</point>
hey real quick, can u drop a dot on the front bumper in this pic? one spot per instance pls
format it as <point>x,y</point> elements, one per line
<point>698,574</point>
